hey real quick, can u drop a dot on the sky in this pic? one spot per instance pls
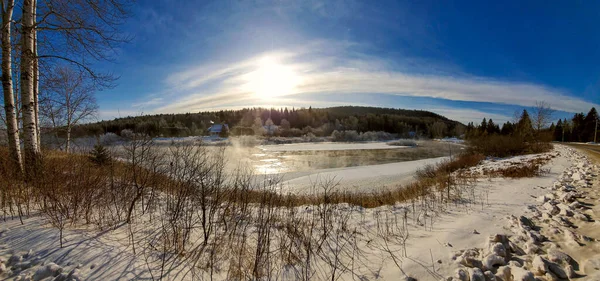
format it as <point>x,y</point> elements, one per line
<point>465,60</point>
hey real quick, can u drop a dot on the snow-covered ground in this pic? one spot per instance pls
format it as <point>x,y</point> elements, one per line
<point>329,146</point>
<point>356,179</point>
<point>31,250</point>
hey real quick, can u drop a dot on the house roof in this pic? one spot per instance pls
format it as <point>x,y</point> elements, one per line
<point>217,128</point>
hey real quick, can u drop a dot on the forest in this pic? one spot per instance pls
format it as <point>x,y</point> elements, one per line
<point>580,128</point>
<point>291,122</point>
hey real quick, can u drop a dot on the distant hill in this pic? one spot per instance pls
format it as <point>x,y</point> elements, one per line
<point>291,122</point>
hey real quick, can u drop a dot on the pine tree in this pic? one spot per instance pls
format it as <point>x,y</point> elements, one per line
<point>558,131</point>
<point>483,127</point>
<point>524,127</point>
<point>100,155</point>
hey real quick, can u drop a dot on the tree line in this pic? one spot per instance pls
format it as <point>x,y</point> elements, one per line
<point>42,42</point>
<point>580,128</point>
<point>290,122</point>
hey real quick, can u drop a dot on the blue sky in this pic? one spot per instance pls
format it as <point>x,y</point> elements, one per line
<point>463,59</point>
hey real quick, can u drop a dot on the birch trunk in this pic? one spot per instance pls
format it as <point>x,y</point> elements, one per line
<point>36,77</point>
<point>68,144</point>
<point>12,125</point>
<point>28,106</point>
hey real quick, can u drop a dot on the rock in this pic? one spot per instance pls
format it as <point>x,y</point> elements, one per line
<point>520,274</point>
<point>475,231</point>
<point>570,271</point>
<point>470,262</point>
<point>575,205</point>
<point>498,238</point>
<point>462,275</point>
<point>551,277</point>
<point>75,275</point>
<point>565,210</point>
<point>2,268</point>
<point>557,270</point>
<point>552,210</point>
<point>14,259</point>
<point>489,276</point>
<point>526,223</point>
<point>476,274</point>
<point>514,248</point>
<point>408,278</point>
<point>539,266</point>
<point>542,199</point>
<point>581,217</point>
<point>499,249</point>
<point>29,254</point>
<point>493,260</point>
<point>504,273</point>
<point>571,238</point>
<point>546,216</point>
<point>50,270</point>
<point>514,263</point>
<point>531,248</point>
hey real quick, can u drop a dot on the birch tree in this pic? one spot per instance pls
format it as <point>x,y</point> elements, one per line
<point>68,99</point>
<point>31,149</point>
<point>10,112</point>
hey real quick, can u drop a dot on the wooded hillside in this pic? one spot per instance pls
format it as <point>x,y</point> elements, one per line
<point>292,122</point>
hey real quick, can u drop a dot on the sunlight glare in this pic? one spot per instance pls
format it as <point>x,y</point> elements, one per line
<point>272,80</point>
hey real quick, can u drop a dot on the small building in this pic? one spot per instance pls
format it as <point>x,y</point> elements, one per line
<point>217,129</point>
<point>270,129</point>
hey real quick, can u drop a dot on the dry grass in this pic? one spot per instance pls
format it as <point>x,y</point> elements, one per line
<point>208,218</point>
<point>528,169</point>
<point>505,146</point>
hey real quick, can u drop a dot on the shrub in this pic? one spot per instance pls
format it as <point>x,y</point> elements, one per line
<point>498,145</point>
<point>403,142</point>
<point>100,155</point>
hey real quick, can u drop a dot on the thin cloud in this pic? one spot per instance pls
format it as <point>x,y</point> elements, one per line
<point>335,69</point>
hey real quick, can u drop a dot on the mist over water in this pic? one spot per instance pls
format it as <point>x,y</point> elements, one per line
<point>265,161</point>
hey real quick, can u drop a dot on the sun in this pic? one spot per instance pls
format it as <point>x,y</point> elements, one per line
<point>272,79</point>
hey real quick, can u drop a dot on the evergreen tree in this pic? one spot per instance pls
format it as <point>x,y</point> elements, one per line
<point>524,127</point>
<point>492,128</point>
<point>589,125</point>
<point>100,155</point>
<point>483,126</point>
<point>558,131</point>
<point>577,128</point>
<point>507,129</point>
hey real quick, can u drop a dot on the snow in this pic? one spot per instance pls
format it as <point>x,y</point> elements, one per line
<point>328,146</point>
<point>93,255</point>
<point>357,179</point>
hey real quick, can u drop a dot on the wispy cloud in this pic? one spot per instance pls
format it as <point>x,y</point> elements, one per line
<point>336,69</point>
<point>149,103</point>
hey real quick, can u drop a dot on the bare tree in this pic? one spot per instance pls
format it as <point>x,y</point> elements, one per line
<point>542,115</point>
<point>68,99</point>
<point>10,115</point>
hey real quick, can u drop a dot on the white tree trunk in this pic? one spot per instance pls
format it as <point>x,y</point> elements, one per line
<point>36,77</point>
<point>7,86</point>
<point>28,106</point>
<point>68,144</point>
